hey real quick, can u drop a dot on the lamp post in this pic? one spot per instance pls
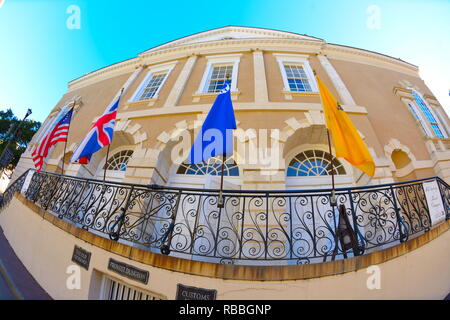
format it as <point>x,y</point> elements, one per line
<point>5,157</point>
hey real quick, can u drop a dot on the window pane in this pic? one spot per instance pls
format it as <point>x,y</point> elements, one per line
<point>213,166</point>
<point>119,161</point>
<point>297,78</point>
<point>426,111</point>
<point>314,163</point>
<point>152,86</point>
<point>218,77</point>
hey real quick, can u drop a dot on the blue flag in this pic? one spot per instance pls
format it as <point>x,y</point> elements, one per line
<point>216,136</point>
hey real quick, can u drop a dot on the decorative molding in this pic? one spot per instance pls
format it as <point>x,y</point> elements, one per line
<point>298,59</point>
<point>259,77</point>
<point>196,97</point>
<point>213,60</point>
<point>342,90</point>
<point>294,45</point>
<point>165,67</point>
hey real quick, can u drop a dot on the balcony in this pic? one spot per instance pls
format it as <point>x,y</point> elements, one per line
<point>252,228</point>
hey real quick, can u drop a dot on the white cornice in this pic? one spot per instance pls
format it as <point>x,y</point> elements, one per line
<point>339,52</point>
<point>233,31</point>
<point>292,45</point>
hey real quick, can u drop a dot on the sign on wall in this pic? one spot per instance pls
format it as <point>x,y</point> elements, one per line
<point>434,201</point>
<point>128,271</point>
<point>81,257</point>
<point>193,293</point>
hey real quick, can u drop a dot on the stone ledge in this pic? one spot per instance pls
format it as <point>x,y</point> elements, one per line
<point>238,272</point>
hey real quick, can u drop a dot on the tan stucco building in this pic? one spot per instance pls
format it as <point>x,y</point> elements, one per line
<point>170,88</point>
<point>280,144</point>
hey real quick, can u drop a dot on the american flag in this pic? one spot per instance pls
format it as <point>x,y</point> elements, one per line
<point>100,135</point>
<point>58,134</point>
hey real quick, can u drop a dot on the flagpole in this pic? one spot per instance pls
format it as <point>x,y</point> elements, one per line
<point>107,150</point>
<point>221,201</point>
<point>106,162</point>
<point>333,200</point>
<point>65,142</point>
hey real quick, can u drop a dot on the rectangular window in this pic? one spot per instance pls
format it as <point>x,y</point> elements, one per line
<point>218,77</point>
<point>431,119</point>
<point>152,86</point>
<point>297,78</point>
<point>116,290</point>
<point>417,117</point>
<point>437,131</point>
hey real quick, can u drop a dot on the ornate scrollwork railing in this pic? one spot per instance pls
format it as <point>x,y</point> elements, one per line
<point>253,227</point>
<point>15,186</point>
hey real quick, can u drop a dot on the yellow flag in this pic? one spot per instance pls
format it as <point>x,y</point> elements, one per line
<point>347,141</point>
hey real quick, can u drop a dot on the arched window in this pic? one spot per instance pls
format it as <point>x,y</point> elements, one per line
<point>314,163</point>
<point>119,161</point>
<point>212,166</point>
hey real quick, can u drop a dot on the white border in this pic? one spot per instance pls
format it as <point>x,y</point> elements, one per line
<point>233,59</point>
<point>299,59</point>
<point>151,71</point>
<point>438,120</point>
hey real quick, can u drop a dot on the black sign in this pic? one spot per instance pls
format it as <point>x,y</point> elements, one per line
<point>81,257</point>
<point>193,293</point>
<point>128,271</point>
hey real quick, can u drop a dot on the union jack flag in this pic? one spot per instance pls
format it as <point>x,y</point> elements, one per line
<point>99,135</point>
<point>59,133</point>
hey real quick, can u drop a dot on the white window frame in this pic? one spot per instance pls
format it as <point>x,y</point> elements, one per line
<point>441,118</point>
<point>166,67</point>
<point>412,104</point>
<point>106,281</point>
<point>423,116</point>
<point>113,175</point>
<point>316,182</point>
<point>225,59</point>
<point>300,60</point>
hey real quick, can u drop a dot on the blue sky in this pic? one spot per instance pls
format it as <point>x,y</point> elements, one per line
<point>39,54</point>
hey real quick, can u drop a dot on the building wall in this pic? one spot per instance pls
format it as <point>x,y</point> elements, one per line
<point>368,94</point>
<point>46,250</point>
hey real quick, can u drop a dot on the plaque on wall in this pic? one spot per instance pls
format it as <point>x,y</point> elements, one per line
<point>193,293</point>
<point>81,257</point>
<point>434,201</point>
<point>128,271</point>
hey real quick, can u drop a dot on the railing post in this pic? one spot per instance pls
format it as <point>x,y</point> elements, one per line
<point>115,235</point>
<point>61,178</point>
<point>165,246</point>
<point>400,221</point>
<point>444,202</point>
<point>360,246</point>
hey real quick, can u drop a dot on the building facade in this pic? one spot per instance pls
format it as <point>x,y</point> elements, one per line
<point>275,238</point>
<point>169,89</point>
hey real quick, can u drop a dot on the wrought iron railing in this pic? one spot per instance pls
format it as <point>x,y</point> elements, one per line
<point>15,186</point>
<point>253,227</point>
